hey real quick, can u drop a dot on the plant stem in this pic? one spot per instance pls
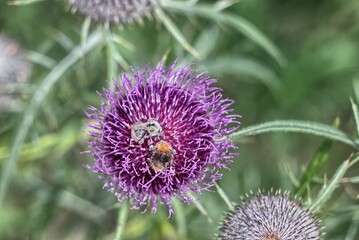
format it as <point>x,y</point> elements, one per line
<point>121,220</point>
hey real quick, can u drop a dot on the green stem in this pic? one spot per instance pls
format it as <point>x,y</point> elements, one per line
<point>111,64</point>
<point>121,221</point>
<point>180,218</point>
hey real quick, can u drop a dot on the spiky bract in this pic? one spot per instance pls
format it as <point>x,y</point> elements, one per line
<point>270,217</point>
<point>114,11</point>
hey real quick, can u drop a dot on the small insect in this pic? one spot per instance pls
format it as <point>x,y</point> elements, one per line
<point>140,131</point>
<point>162,155</point>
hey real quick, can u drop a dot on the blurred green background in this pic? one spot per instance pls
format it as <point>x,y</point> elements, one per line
<point>51,196</point>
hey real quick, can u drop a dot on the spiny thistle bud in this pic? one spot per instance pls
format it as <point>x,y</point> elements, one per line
<point>161,134</point>
<point>14,72</point>
<point>114,11</point>
<point>270,217</point>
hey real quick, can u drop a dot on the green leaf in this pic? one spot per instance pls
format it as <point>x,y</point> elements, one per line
<point>180,218</point>
<point>23,2</point>
<point>223,4</point>
<point>244,67</point>
<point>316,164</point>
<point>40,59</point>
<point>64,40</point>
<point>201,208</point>
<point>327,191</point>
<point>356,114</point>
<point>351,180</point>
<point>64,199</point>
<point>299,127</point>
<point>176,33</point>
<point>36,101</point>
<point>55,144</point>
<point>224,196</point>
<point>239,23</point>
<point>205,44</point>
<point>121,41</point>
<point>291,175</point>
<point>356,88</point>
<point>353,229</point>
<point>85,30</point>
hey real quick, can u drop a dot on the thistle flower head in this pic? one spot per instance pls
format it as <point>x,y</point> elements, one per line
<point>114,11</point>
<point>270,217</point>
<point>14,68</point>
<point>14,72</point>
<point>161,134</point>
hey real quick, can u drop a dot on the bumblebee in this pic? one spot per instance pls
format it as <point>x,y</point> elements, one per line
<point>140,131</point>
<point>162,155</point>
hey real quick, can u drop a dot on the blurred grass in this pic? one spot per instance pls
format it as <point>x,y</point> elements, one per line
<point>51,196</point>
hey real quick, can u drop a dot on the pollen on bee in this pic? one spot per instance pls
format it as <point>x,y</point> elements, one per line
<point>164,147</point>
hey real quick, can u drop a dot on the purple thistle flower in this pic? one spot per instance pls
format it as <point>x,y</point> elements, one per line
<point>161,134</point>
<point>114,11</point>
<point>270,217</point>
